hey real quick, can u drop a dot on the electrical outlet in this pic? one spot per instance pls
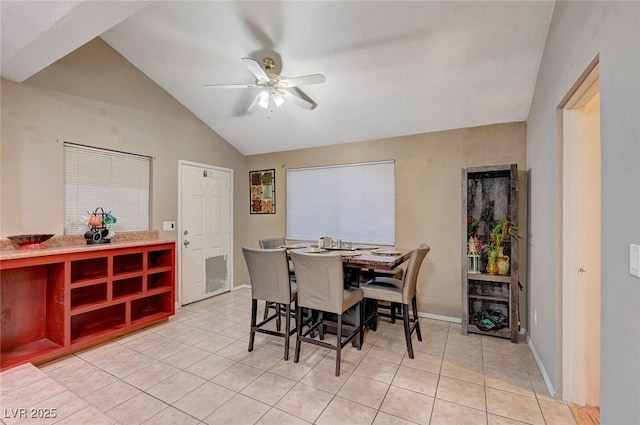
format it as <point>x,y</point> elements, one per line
<point>535,317</point>
<point>168,225</point>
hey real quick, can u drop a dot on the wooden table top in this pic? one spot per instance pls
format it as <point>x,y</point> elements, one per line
<point>387,258</point>
<point>380,261</point>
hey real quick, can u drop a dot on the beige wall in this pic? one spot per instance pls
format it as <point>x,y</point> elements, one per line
<point>95,97</point>
<point>428,195</point>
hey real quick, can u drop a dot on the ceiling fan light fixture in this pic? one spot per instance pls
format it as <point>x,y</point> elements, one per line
<point>263,99</point>
<point>277,98</point>
<point>272,87</point>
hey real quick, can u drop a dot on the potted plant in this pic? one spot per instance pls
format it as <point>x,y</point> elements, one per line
<point>501,233</point>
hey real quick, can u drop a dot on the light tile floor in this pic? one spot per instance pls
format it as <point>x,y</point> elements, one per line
<point>195,369</point>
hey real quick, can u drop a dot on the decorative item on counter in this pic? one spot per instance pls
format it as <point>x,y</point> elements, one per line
<point>30,242</point>
<point>99,223</point>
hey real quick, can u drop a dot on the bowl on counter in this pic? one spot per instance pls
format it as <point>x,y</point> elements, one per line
<point>29,242</point>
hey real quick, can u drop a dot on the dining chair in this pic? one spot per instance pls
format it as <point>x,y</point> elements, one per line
<point>270,243</point>
<point>269,275</point>
<point>321,288</point>
<point>402,292</point>
<point>393,309</point>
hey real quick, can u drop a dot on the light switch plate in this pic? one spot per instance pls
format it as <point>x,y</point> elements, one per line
<point>634,260</point>
<point>168,225</point>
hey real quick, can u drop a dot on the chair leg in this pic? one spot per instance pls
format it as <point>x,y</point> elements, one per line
<point>296,356</point>
<point>339,344</point>
<point>252,333</point>
<point>414,304</point>
<point>407,329</point>
<point>321,327</point>
<point>287,327</point>
<point>360,323</point>
<point>373,320</point>
<point>278,315</point>
<point>266,310</point>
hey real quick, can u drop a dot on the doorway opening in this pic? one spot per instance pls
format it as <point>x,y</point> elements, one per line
<point>579,119</point>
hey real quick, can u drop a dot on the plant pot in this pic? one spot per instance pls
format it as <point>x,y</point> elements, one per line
<point>502,264</point>
<point>492,263</point>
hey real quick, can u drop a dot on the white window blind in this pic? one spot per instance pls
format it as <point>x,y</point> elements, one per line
<point>117,182</point>
<point>354,202</point>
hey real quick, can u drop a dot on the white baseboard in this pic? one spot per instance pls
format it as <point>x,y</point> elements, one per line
<point>235,288</point>
<point>439,317</point>
<point>545,376</point>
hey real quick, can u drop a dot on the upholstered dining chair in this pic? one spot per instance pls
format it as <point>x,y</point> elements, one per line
<point>401,292</point>
<point>269,275</point>
<point>270,243</point>
<point>321,288</point>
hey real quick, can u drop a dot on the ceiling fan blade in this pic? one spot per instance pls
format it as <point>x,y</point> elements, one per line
<point>254,104</point>
<point>231,86</point>
<point>302,81</point>
<point>299,98</point>
<point>255,68</point>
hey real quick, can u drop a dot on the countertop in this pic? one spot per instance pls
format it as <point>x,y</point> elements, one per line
<point>72,244</point>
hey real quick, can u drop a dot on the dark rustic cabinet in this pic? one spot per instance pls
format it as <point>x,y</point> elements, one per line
<point>488,194</point>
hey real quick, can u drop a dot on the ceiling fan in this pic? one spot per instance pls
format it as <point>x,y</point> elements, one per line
<point>273,88</point>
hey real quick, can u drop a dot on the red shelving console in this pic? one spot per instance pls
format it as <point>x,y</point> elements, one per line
<point>53,305</point>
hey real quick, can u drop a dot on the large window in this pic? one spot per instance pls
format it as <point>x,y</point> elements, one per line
<point>354,202</point>
<point>115,181</point>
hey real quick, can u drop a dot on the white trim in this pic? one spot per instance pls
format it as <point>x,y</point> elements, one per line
<point>243,286</point>
<point>182,162</point>
<point>543,371</point>
<point>575,285</point>
<point>439,317</point>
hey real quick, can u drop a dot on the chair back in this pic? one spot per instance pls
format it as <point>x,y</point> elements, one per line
<point>269,274</point>
<point>320,281</point>
<point>413,268</point>
<point>269,243</point>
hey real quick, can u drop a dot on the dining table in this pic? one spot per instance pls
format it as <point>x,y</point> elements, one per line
<point>361,257</point>
<point>361,263</point>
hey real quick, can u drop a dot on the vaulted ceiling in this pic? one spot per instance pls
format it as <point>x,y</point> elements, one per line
<point>392,68</point>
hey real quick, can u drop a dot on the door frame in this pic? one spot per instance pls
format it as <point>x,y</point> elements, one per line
<point>571,382</point>
<point>181,163</point>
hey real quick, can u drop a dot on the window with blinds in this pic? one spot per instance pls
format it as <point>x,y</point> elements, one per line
<point>354,202</point>
<point>116,181</point>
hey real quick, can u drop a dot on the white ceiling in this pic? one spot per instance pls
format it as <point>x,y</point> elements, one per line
<point>392,67</point>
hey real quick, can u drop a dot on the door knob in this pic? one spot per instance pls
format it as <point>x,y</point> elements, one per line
<point>582,270</point>
<point>185,243</point>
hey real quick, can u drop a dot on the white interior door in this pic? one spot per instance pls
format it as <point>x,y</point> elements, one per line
<point>205,231</point>
<point>582,245</point>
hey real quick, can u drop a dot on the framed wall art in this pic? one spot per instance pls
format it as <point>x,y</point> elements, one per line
<point>262,192</point>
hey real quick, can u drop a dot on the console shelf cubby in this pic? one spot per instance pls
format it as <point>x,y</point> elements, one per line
<point>56,304</point>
